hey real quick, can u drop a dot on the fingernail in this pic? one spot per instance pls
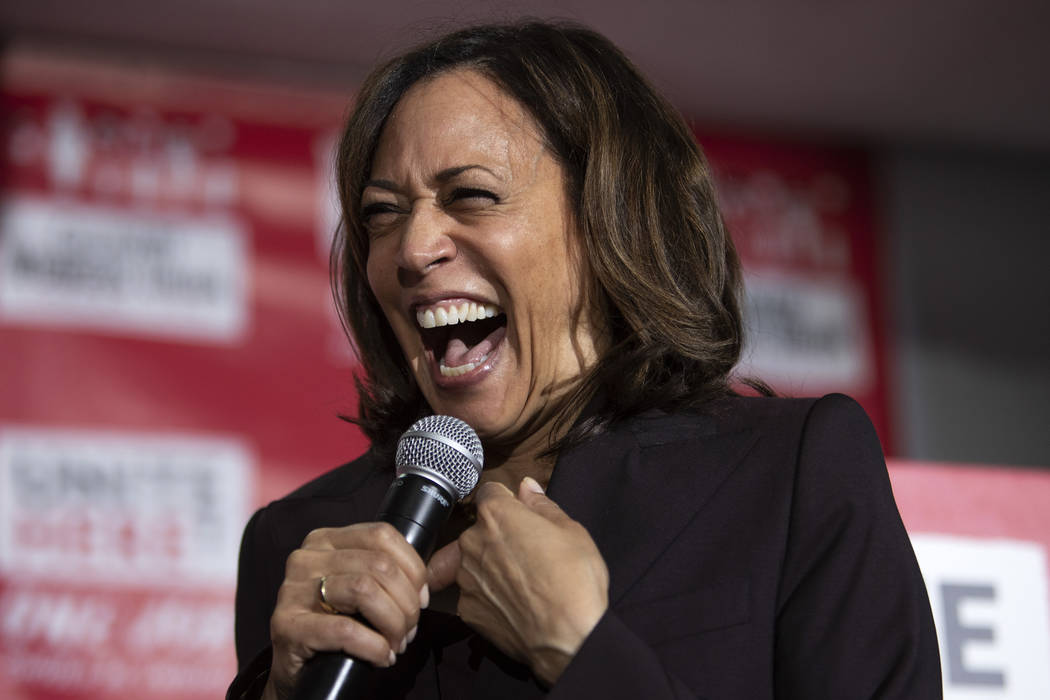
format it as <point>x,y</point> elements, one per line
<point>412,633</point>
<point>424,596</point>
<point>404,645</point>
<point>392,658</point>
<point>532,485</point>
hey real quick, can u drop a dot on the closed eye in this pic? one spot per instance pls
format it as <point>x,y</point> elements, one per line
<point>379,213</point>
<point>469,198</point>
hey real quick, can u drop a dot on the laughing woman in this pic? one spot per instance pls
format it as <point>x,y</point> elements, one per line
<point>531,244</point>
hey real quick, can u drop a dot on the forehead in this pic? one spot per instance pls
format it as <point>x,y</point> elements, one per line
<point>457,115</point>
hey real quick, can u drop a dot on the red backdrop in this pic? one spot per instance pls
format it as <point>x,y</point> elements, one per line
<point>170,359</point>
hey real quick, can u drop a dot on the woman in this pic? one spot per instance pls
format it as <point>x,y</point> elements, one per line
<point>531,244</point>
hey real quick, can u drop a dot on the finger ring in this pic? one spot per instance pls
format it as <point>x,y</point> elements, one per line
<point>325,605</point>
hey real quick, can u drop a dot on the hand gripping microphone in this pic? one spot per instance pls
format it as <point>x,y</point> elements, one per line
<point>439,460</point>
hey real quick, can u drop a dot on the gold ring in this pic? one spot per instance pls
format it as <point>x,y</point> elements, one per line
<point>325,605</point>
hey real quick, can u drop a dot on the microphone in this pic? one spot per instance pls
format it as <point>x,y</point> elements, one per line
<point>438,462</point>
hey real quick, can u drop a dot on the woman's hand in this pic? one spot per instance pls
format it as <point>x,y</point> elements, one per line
<point>531,578</point>
<point>370,570</point>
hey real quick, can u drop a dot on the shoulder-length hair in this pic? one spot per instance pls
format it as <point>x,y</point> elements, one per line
<point>664,271</point>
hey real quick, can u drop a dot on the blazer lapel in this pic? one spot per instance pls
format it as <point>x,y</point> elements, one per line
<point>635,488</point>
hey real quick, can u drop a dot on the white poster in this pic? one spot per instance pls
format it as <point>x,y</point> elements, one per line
<point>989,599</point>
<point>95,268</point>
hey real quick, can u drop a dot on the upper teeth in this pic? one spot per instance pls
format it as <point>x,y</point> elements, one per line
<point>449,315</point>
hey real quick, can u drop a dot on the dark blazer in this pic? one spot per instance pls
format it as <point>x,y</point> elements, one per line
<point>754,551</point>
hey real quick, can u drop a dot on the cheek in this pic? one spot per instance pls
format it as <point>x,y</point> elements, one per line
<point>374,274</point>
<point>538,253</point>
<point>381,274</point>
<point>554,274</point>
<point>382,280</point>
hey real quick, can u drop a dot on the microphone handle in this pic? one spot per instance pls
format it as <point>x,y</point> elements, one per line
<point>417,507</point>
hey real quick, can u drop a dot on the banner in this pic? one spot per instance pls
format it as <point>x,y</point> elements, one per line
<point>170,358</point>
<point>982,537</point>
<point>802,221</point>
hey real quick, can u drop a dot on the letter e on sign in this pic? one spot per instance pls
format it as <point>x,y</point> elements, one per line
<point>989,599</point>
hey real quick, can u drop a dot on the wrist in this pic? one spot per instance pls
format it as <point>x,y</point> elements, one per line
<point>548,664</point>
<point>550,660</point>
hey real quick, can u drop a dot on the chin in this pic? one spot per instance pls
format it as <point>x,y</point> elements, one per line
<point>484,421</point>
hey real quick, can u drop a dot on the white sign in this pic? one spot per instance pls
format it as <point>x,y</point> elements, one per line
<point>119,271</point>
<point>989,599</point>
<point>807,332</point>
<point>121,508</point>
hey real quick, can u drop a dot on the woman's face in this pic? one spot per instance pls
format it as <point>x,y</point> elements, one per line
<point>473,257</point>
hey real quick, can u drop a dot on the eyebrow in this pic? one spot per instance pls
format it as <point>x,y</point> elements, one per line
<point>441,177</point>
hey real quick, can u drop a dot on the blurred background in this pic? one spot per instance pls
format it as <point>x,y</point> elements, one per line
<point>170,358</point>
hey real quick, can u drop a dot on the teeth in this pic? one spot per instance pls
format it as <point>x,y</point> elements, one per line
<point>447,371</point>
<point>467,311</point>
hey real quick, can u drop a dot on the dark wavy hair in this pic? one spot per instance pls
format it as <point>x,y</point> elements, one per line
<point>664,272</point>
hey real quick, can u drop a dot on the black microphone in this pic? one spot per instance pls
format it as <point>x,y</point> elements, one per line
<point>439,460</point>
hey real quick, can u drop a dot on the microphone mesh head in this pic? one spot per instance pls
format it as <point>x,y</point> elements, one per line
<point>444,446</point>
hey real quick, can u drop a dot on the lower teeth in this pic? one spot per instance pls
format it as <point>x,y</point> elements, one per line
<point>447,371</point>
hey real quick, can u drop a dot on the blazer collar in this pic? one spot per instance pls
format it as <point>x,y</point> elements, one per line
<point>638,485</point>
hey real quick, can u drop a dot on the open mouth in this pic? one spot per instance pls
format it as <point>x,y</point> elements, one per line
<point>461,336</point>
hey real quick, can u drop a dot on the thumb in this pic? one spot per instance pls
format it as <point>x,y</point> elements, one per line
<point>443,566</point>
<point>532,495</point>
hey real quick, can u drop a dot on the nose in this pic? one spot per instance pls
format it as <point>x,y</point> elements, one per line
<point>425,240</point>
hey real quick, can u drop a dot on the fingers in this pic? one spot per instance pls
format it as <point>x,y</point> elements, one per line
<point>443,566</point>
<point>390,606</point>
<point>532,495</point>
<point>491,490</point>
<point>492,498</point>
<point>366,566</point>
<point>377,536</point>
<point>370,571</point>
<point>304,634</point>
<point>529,485</point>
<point>531,579</point>
<point>498,507</point>
<point>383,594</point>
